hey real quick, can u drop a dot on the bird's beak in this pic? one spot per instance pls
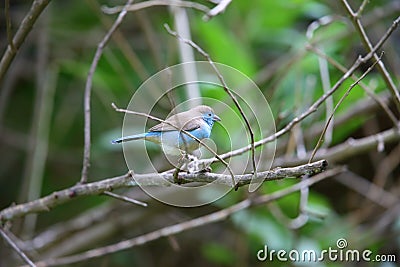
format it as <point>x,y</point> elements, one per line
<point>216,118</point>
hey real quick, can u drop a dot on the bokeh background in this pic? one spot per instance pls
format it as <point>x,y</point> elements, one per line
<point>273,42</point>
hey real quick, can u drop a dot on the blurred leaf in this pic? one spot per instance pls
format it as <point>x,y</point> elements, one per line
<point>219,254</point>
<point>266,230</point>
<point>223,46</point>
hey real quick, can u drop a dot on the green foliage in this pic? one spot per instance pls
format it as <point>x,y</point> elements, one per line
<point>218,254</point>
<point>266,40</point>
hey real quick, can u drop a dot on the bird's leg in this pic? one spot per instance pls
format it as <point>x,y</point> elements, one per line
<point>206,169</point>
<point>180,163</point>
<point>177,180</point>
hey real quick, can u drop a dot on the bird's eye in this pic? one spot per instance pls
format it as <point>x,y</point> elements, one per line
<point>209,114</point>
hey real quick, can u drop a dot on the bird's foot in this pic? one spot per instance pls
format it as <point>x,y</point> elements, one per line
<point>177,179</point>
<point>206,169</point>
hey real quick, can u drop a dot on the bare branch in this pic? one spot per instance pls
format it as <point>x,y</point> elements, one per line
<point>369,190</point>
<point>8,25</point>
<point>24,29</point>
<point>124,198</point>
<point>222,5</point>
<point>151,3</point>
<point>361,8</point>
<point>152,179</point>
<point>320,140</point>
<point>122,42</point>
<point>347,149</point>
<point>88,90</point>
<point>355,18</point>
<point>191,224</point>
<point>369,92</point>
<point>16,248</point>
<point>316,104</point>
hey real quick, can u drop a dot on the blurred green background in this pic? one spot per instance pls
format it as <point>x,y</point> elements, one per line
<point>266,40</point>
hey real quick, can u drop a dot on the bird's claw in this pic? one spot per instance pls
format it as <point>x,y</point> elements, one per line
<point>176,177</point>
<point>206,169</point>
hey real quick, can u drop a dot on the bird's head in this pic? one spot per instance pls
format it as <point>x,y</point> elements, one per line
<point>207,114</point>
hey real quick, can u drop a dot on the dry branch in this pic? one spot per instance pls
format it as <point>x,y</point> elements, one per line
<point>347,149</point>
<point>153,3</point>
<point>313,108</point>
<point>190,224</point>
<point>154,179</point>
<point>24,29</point>
<point>4,234</point>
<point>88,90</point>
<point>355,18</point>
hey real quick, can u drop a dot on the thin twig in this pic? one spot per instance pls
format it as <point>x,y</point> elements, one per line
<point>361,8</point>
<point>368,45</point>
<point>360,109</point>
<point>226,89</point>
<point>51,236</point>
<point>125,198</point>
<point>151,179</point>
<point>151,3</point>
<point>222,5</point>
<point>188,225</point>
<point>121,41</point>
<point>16,248</point>
<point>347,149</point>
<point>387,167</point>
<point>326,85</point>
<point>302,217</point>
<point>320,140</point>
<point>24,29</point>
<point>369,92</point>
<point>9,26</point>
<point>88,90</point>
<point>369,190</point>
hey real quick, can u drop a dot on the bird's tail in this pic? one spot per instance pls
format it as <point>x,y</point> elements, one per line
<point>129,138</point>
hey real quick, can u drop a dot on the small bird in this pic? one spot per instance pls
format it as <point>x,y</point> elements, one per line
<point>197,121</point>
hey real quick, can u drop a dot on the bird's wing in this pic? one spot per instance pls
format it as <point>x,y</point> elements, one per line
<point>180,121</point>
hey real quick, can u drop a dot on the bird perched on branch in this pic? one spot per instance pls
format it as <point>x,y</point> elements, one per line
<point>197,121</point>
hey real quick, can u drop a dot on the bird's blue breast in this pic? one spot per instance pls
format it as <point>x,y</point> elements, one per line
<point>175,139</point>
